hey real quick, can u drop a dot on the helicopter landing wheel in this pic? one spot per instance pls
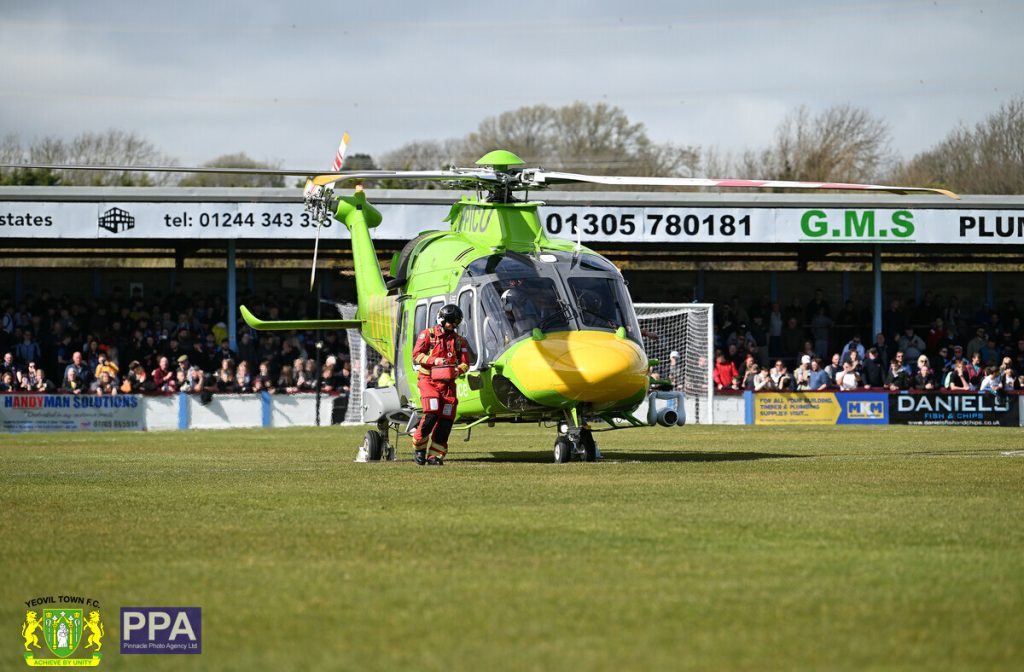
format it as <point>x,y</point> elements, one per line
<point>590,452</point>
<point>563,450</point>
<point>373,445</point>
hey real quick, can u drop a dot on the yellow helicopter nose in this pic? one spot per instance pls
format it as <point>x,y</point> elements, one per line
<point>588,366</point>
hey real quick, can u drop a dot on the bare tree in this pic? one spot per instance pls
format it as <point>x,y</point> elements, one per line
<point>11,151</point>
<point>526,131</point>
<point>111,148</point>
<point>421,155</point>
<point>988,159</point>
<point>841,144</point>
<point>582,137</point>
<point>240,160</point>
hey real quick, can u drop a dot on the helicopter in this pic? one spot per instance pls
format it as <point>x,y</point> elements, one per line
<point>552,333</point>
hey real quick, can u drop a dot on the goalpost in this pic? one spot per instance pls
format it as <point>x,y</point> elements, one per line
<point>683,327</point>
<point>364,358</point>
<point>687,328</point>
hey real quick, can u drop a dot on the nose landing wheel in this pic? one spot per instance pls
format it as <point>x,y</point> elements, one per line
<point>575,443</point>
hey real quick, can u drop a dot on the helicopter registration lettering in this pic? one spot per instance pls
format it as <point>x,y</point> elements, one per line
<point>475,220</point>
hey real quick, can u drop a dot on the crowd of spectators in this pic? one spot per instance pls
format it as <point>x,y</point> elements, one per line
<point>171,343</point>
<point>179,342</point>
<point>931,345</point>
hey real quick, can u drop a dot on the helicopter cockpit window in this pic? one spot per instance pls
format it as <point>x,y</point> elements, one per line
<point>532,303</point>
<point>590,262</point>
<point>596,302</point>
<point>510,265</point>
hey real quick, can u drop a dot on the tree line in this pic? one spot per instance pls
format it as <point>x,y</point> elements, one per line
<point>842,143</point>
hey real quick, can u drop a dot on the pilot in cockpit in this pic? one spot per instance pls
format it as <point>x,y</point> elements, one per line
<point>592,309</point>
<point>518,307</point>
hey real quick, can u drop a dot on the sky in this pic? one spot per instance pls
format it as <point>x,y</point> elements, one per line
<point>282,81</point>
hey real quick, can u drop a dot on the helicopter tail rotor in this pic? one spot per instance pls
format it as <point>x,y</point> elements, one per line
<point>317,200</point>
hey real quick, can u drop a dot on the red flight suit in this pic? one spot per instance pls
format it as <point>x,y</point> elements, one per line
<point>438,349</point>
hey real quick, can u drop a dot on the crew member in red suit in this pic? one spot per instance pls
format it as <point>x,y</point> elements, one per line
<point>441,356</point>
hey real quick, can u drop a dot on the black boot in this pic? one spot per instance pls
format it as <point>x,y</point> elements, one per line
<point>435,461</point>
<point>420,457</point>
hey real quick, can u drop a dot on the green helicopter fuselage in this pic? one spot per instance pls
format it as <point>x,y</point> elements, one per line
<point>550,323</point>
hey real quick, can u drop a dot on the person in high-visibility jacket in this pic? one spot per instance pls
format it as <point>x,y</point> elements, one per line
<point>441,355</point>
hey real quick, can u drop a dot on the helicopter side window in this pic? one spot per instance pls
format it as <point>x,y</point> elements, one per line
<point>433,310</point>
<point>597,303</point>
<point>532,303</point>
<point>468,327</point>
<point>420,320</point>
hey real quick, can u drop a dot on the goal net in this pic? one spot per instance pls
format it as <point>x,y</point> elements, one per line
<point>666,327</point>
<point>364,359</point>
<point>685,328</point>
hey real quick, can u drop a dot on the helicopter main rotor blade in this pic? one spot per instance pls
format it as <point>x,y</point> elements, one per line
<point>543,177</point>
<point>468,174</point>
<point>321,178</point>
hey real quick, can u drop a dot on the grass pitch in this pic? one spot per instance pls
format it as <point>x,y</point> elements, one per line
<point>697,548</point>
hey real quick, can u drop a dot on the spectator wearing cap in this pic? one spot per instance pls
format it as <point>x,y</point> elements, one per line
<point>675,369</point>
<point>183,365</point>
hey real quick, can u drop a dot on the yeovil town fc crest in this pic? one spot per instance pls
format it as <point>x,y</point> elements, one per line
<point>62,630</point>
